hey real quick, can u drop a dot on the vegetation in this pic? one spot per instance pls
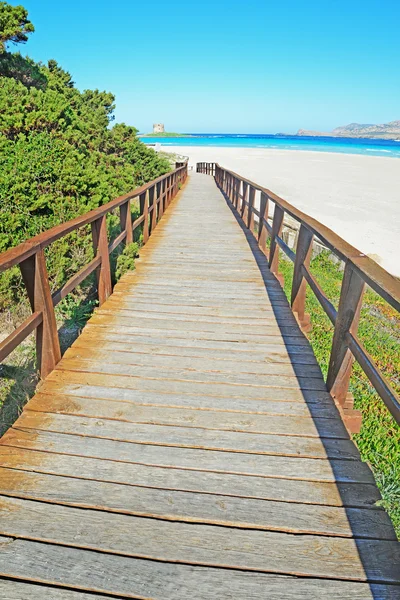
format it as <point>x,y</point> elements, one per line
<point>379,330</point>
<point>14,25</point>
<point>61,155</point>
<point>126,260</point>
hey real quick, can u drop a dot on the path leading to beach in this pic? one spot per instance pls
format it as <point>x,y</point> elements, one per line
<point>356,196</point>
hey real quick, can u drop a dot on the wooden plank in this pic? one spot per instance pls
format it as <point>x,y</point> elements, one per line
<point>273,352</point>
<point>153,305</point>
<point>284,358</point>
<point>326,410</point>
<point>135,310</point>
<point>352,495</point>
<point>204,418</point>
<point>258,371</point>
<point>101,324</point>
<point>16,590</point>
<point>248,384</point>
<point>188,507</point>
<point>255,330</point>
<point>190,437</point>
<point>188,387</point>
<point>263,465</point>
<point>208,545</point>
<point>137,578</point>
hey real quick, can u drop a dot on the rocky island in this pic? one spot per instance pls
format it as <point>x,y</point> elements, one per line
<point>386,131</point>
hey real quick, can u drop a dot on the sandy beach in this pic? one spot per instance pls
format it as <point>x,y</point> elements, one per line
<point>357,196</point>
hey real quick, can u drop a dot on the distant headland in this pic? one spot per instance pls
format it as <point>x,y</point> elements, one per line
<point>386,131</point>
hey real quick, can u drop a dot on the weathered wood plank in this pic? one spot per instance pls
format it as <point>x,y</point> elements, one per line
<point>249,384</point>
<point>106,326</point>
<point>128,355</point>
<point>264,551</point>
<point>273,352</point>
<point>176,386</point>
<point>190,507</point>
<point>134,312</point>
<point>136,578</point>
<point>316,410</point>
<point>187,325</point>
<point>16,590</point>
<point>152,304</point>
<point>263,465</point>
<point>190,437</point>
<point>208,419</point>
<point>225,371</point>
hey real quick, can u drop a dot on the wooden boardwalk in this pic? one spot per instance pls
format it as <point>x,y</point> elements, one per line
<point>186,446</point>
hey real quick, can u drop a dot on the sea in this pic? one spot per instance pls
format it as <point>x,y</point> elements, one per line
<point>368,147</point>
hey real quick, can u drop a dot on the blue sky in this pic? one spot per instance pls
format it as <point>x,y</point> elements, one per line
<point>255,66</point>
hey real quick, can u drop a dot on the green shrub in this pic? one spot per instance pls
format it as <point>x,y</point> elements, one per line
<point>59,158</point>
<point>126,260</point>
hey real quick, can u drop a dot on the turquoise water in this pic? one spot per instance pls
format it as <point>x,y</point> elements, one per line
<point>367,147</point>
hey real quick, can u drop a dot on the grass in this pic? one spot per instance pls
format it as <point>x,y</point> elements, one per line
<point>379,330</point>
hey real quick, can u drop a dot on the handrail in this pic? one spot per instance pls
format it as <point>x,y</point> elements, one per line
<point>360,270</point>
<point>154,197</point>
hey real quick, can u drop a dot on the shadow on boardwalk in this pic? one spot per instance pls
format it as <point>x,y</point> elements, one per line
<point>367,551</point>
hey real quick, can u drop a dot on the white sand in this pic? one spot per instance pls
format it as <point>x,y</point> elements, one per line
<point>357,196</point>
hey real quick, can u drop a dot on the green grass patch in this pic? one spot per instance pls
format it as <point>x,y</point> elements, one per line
<point>379,331</point>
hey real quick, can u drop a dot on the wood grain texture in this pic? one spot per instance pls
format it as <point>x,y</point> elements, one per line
<point>225,510</point>
<point>136,578</point>
<point>190,437</point>
<point>191,417</point>
<point>264,465</point>
<point>263,551</point>
<point>188,478</point>
<point>16,590</point>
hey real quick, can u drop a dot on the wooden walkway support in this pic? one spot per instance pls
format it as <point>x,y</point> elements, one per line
<point>186,446</point>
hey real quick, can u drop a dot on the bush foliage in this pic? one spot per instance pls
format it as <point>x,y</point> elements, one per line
<point>59,158</point>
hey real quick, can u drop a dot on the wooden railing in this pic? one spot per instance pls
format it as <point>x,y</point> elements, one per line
<point>207,168</point>
<point>359,271</point>
<point>154,198</point>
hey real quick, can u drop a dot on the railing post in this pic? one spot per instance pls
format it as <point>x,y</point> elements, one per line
<point>153,203</point>
<point>250,214</point>
<point>144,210</point>
<point>243,207</point>
<point>125,218</point>
<point>299,284</point>
<point>341,359</point>
<point>237,193</point>
<point>169,192</point>
<point>274,249</point>
<point>159,191</point>
<point>100,246</point>
<point>262,230</point>
<point>36,280</point>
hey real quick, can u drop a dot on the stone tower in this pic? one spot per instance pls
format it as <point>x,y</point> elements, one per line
<point>158,128</point>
